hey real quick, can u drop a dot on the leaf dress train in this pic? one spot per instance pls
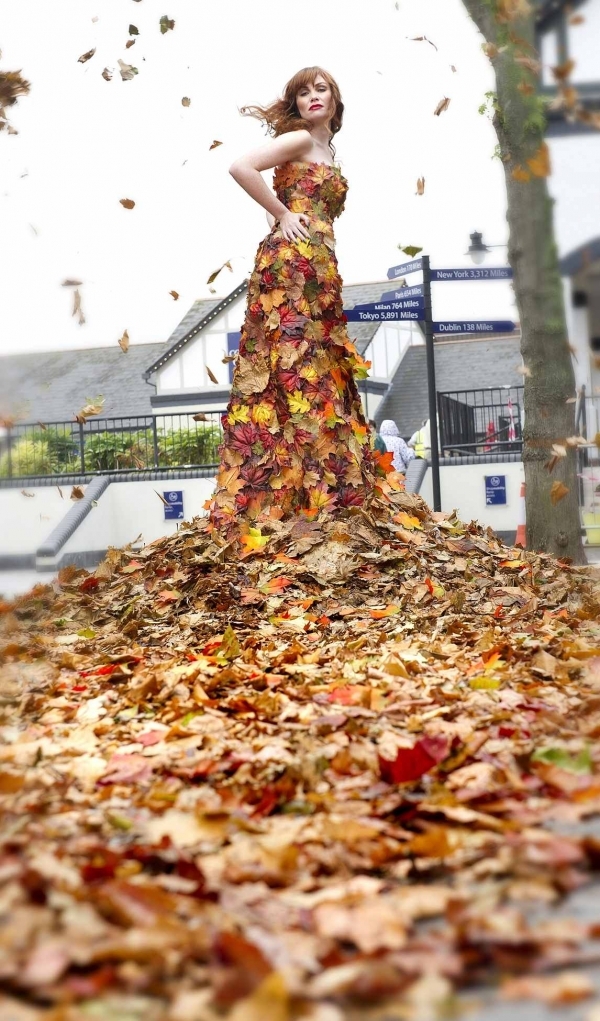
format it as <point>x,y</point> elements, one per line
<point>295,437</point>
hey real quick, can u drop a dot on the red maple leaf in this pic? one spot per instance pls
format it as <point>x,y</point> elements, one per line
<point>412,763</point>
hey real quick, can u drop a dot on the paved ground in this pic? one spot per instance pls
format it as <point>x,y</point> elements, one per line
<point>16,583</point>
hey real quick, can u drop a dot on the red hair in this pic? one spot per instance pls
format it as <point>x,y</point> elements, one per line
<point>283,114</point>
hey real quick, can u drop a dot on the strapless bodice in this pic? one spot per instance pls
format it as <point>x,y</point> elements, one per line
<point>317,189</point>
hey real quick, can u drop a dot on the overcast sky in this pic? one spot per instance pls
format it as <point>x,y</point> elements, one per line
<point>85,143</point>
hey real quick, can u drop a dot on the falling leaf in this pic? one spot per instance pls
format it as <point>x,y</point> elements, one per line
<point>453,69</point>
<point>93,407</point>
<point>523,370</point>
<point>25,493</point>
<point>127,203</point>
<point>423,39</point>
<point>174,295</point>
<point>559,450</point>
<point>129,44</point>
<point>490,50</point>
<point>127,70</point>
<point>107,75</point>
<point>71,283</point>
<point>228,358</point>
<point>200,417</point>
<point>410,250</point>
<point>576,19</point>
<point>520,174</point>
<point>530,63</point>
<point>124,342</point>
<point>563,71</point>
<point>186,101</point>
<point>540,163</point>
<point>211,375</point>
<point>558,491</point>
<point>214,145</point>
<point>442,106</point>
<point>77,493</point>
<point>162,499</point>
<point>133,30</point>
<point>420,186</point>
<point>166,24</point>
<point>213,276</point>
<point>77,309</point>
<point>86,56</point>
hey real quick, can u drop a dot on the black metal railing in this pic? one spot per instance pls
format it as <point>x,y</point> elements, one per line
<point>97,445</point>
<point>481,421</point>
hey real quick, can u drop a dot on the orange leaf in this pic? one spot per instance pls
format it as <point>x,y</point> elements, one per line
<point>276,585</point>
<point>127,203</point>
<point>540,163</point>
<point>558,492</point>
<point>388,612</point>
<point>520,174</point>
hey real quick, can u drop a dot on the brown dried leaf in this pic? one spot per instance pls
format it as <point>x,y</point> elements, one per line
<point>442,106</point>
<point>127,203</point>
<point>563,71</point>
<point>86,56</point>
<point>124,342</point>
<point>214,145</point>
<point>77,493</point>
<point>200,417</point>
<point>174,295</point>
<point>186,101</point>
<point>420,186</point>
<point>211,375</point>
<point>107,74</point>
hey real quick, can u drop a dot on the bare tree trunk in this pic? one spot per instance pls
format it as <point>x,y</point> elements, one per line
<point>520,125</point>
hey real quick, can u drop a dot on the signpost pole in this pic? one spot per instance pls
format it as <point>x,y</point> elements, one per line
<point>433,426</point>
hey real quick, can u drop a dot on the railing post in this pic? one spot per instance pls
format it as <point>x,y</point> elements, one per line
<point>155,441</point>
<point>81,448</point>
<point>8,450</point>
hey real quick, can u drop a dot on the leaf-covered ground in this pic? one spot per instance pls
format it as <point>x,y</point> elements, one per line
<point>344,775</point>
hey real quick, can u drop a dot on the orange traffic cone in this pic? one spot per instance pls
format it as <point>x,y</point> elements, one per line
<point>521,537</point>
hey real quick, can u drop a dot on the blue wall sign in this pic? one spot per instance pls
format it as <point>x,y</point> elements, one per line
<point>473,273</point>
<point>401,293</point>
<point>407,267</point>
<point>174,499</point>
<point>495,490</point>
<point>233,346</point>
<point>457,327</point>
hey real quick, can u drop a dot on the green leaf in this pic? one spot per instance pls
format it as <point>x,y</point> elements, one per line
<point>189,717</point>
<point>410,250</point>
<point>581,763</point>
<point>166,23</point>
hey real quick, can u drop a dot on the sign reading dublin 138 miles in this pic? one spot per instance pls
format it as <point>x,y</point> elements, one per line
<point>476,326</point>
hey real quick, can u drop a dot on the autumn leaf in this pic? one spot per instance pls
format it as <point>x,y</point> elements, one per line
<point>25,493</point>
<point>166,24</point>
<point>211,375</point>
<point>421,186</point>
<point>91,408</point>
<point>107,74</point>
<point>411,763</point>
<point>71,283</point>
<point>86,56</point>
<point>124,342</point>
<point>77,493</point>
<point>213,276</point>
<point>388,612</point>
<point>254,541</point>
<point>442,106</point>
<point>408,521</point>
<point>162,499</point>
<point>186,101</point>
<point>127,203</point>
<point>77,309</point>
<point>276,586</point>
<point>174,295</point>
<point>272,299</point>
<point>200,417</point>
<point>230,647</point>
<point>128,71</point>
<point>563,71</point>
<point>558,492</point>
<point>540,163</point>
<point>129,44</point>
<point>214,145</point>
<point>410,250</point>
<point>133,30</point>
<point>576,19</point>
<point>520,174</point>
<point>423,39</point>
<point>297,403</point>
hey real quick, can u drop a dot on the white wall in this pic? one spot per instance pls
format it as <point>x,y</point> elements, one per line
<point>124,510</point>
<point>463,489</point>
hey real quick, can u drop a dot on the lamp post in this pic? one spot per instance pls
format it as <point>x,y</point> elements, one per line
<point>478,248</point>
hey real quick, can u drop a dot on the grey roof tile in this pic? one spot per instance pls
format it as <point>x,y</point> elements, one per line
<point>458,366</point>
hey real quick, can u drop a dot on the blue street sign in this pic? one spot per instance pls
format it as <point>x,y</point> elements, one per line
<point>174,499</point>
<point>403,305</point>
<point>458,327</point>
<point>495,490</point>
<point>383,312</point>
<point>403,292</point>
<point>407,267</point>
<point>473,273</point>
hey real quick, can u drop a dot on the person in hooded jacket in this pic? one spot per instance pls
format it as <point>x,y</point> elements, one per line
<point>402,454</point>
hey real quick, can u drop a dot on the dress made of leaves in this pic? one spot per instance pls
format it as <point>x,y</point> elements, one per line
<point>295,437</point>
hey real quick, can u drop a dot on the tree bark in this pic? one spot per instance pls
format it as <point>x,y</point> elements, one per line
<point>550,381</point>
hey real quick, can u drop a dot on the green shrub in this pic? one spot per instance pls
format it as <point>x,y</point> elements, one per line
<point>29,456</point>
<point>189,446</point>
<point>109,451</point>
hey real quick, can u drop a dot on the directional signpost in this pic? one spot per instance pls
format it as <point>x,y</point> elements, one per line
<point>414,303</point>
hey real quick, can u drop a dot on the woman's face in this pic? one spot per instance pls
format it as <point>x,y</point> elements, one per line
<point>315,102</point>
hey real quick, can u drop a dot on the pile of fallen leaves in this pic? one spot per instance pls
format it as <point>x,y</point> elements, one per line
<point>332,777</point>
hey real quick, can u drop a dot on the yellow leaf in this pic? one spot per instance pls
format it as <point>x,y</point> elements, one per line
<point>484,683</point>
<point>407,521</point>
<point>124,342</point>
<point>262,414</point>
<point>305,248</point>
<point>297,403</point>
<point>254,540</point>
<point>558,492</point>
<point>238,413</point>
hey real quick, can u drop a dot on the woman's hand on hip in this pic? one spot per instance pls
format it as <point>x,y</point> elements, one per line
<point>292,226</point>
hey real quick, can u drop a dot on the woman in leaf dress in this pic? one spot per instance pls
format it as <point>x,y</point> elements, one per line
<point>295,438</point>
